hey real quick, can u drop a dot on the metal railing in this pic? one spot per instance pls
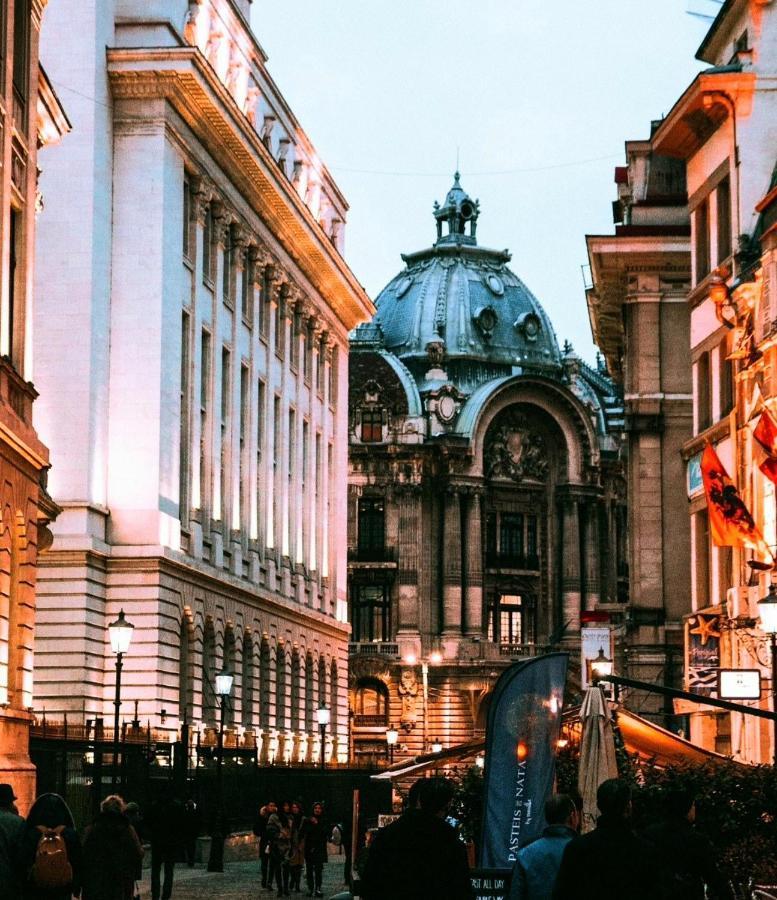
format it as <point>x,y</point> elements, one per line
<point>374,648</point>
<point>523,650</point>
<point>372,554</point>
<point>497,559</point>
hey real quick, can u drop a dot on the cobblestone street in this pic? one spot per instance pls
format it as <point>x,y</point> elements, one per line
<point>240,880</point>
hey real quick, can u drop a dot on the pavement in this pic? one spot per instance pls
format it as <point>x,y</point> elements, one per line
<point>239,881</point>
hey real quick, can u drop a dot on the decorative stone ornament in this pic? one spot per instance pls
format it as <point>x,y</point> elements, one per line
<point>404,286</point>
<point>485,320</point>
<point>495,285</point>
<point>446,408</point>
<point>517,452</point>
<point>529,325</point>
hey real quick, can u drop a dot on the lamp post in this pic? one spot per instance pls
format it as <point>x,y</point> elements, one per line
<point>601,666</point>
<point>121,638</point>
<point>767,610</point>
<point>216,859</point>
<point>392,736</point>
<point>322,714</point>
<point>435,658</point>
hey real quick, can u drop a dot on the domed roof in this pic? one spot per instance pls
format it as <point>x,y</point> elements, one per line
<point>464,297</point>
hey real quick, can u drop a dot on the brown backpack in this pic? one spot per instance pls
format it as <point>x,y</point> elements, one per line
<point>51,868</point>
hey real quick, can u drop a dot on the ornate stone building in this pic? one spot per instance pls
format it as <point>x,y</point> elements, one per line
<point>486,516</point>
<point>192,342</point>
<point>30,117</point>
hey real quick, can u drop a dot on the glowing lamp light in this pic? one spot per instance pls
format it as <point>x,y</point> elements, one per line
<point>480,761</point>
<point>323,716</point>
<point>411,659</point>
<point>121,634</point>
<point>224,683</point>
<point>601,667</point>
<point>392,735</point>
<point>436,747</point>
<point>521,751</point>
<point>561,743</point>
<point>767,610</point>
<point>435,657</point>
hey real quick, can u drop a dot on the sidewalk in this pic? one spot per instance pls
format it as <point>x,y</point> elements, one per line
<point>239,881</point>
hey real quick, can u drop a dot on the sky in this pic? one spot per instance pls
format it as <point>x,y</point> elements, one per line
<point>537,97</point>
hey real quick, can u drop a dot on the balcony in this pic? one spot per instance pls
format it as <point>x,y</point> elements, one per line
<point>524,561</point>
<point>385,557</point>
<point>365,721</point>
<point>374,648</point>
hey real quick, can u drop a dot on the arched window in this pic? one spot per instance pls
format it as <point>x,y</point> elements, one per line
<point>264,684</point>
<point>228,664</point>
<point>333,695</point>
<point>322,693</point>
<point>247,706</point>
<point>185,675</point>
<point>310,697</point>
<point>295,690</point>
<point>6,553</point>
<point>209,674</point>
<point>371,703</point>
<point>280,686</point>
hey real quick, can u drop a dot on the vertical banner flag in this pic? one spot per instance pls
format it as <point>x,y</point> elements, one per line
<point>731,524</point>
<point>702,647</point>
<point>524,720</point>
<point>765,432</point>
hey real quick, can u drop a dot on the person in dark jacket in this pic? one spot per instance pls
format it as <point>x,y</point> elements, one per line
<point>50,812</point>
<point>313,832</point>
<point>260,830</point>
<point>165,829</point>
<point>687,858</point>
<point>535,870</point>
<point>419,856</point>
<point>610,862</point>
<point>11,831</point>
<point>112,852</point>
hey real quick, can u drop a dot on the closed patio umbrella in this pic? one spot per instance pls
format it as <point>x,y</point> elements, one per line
<point>597,752</point>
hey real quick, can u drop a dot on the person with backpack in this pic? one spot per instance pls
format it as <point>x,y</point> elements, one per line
<point>112,852</point>
<point>50,851</point>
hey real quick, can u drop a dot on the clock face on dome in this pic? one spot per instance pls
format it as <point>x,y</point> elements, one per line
<point>404,286</point>
<point>446,408</point>
<point>495,285</point>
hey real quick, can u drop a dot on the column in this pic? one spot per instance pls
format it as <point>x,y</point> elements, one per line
<point>451,566</point>
<point>474,588</point>
<point>570,569</point>
<point>592,558</point>
<point>409,544</point>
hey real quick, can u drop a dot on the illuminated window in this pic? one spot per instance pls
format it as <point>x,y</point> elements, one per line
<point>372,425</point>
<point>505,621</point>
<point>370,612</point>
<point>371,700</point>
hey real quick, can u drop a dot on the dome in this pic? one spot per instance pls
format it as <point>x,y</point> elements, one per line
<point>462,301</point>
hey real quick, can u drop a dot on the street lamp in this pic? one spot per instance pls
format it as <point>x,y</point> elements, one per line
<point>767,610</point>
<point>392,736</point>
<point>436,746</point>
<point>322,714</point>
<point>601,666</point>
<point>121,638</point>
<point>435,658</point>
<point>216,859</point>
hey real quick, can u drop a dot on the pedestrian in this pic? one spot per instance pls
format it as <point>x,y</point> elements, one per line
<point>11,830</point>
<point>112,854</point>
<point>610,862</point>
<point>296,857</point>
<point>279,842</point>
<point>535,870</point>
<point>135,818</point>
<point>687,857</point>
<point>50,854</point>
<point>191,829</point>
<point>314,834</point>
<point>165,829</point>
<point>419,855</point>
<point>260,830</point>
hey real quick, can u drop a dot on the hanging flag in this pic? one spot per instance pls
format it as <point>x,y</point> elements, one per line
<point>521,739</point>
<point>731,523</point>
<point>765,433</point>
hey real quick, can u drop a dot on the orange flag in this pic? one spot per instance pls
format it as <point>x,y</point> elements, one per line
<point>731,524</point>
<point>765,433</point>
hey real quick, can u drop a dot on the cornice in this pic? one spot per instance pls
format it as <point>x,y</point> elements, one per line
<point>183,78</point>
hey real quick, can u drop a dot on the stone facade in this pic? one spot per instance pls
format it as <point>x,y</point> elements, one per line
<point>194,342</point>
<point>486,498</point>
<point>30,116</point>
<point>640,321</point>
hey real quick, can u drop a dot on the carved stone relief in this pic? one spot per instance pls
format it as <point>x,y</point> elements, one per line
<point>408,693</point>
<point>514,450</point>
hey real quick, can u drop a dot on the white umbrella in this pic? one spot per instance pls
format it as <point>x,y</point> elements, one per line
<point>597,752</point>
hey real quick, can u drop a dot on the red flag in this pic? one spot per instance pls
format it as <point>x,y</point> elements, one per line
<point>766,433</point>
<point>731,523</point>
<point>769,468</point>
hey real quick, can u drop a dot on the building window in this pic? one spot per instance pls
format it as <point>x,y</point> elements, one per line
<point>183,464</point>
<point>21,58</point>
<point>187,219</point>
<point>15,288</point>
<point>295,691</point>
<point>726,372</point>
<point>723,205</point>
<point>247,290</point>
<point>281,688</point>
<point>372,526</point>
<point>703,392</point>
<point>228,273</point>
<point>370,612</point>
<point>280,327</point>
<point>247,661</point>
<point>505,622</point>
<point>205,376</point>
<point>207,247</point>
<point>372,425</point>
<point>209,674</point>
<point>245,411</point>
<point>263,300</point>
<point>228,663</point>
<point>265,695</point>
<point>305,351</point>
<point>371,703</point>
<point>701,540</point>
<point>333,378</point>
<point>295,336</point>
<point>512,540</point>
<point>226,391</point>
<point>260,435</point>
<point>701,230</point>
<point>320,361</point>
<point>511,543</point>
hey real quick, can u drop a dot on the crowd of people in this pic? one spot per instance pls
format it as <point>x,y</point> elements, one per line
<point>43,857</point>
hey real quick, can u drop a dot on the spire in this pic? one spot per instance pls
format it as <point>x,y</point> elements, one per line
<point>458,210</point>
